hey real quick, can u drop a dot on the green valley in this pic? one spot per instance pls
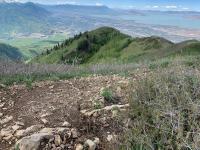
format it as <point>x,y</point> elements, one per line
<point>32,46</point>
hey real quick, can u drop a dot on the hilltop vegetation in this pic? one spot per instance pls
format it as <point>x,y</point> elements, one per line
<point>9,52</point>
<point>105,45</point>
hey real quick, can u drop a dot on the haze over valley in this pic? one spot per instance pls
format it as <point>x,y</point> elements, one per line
<point>36,27</point>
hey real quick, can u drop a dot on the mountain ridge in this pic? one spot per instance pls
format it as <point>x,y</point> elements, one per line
<point>106,45</point>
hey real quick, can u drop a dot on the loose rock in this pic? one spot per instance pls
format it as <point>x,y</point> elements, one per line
<point>1,115</point>
<point>2,86</point>
<point>79,147</point>
<point>45,121</point>
<point>74,133</point>
<point>29,130</point>
<point>57,140</point>
<point>16,127</point>
<point>91,145</point>
<point>6,132</point>
<point>97,141</point>
<point>6,120</point>
<point>66,124</point>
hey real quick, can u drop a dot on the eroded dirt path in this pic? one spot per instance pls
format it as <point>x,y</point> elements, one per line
<point>52,103</point>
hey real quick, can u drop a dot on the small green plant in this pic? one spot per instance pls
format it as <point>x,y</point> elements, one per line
<point>107,94</point>
<point>17,147</point>
<point>29,84</point>
<point>164,64</point>
<point>97,104</point>
<point>152,66</point>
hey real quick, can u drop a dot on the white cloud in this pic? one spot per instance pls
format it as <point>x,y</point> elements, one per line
<point>155,6</point>
<point>171,7</point>
<point>185,8</point>
<point>8,1</point>
<point>99,4</point>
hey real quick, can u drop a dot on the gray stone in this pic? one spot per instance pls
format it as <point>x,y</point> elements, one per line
<point>79,147</point>
<point>2,105</point>
<point>57,140</point>
<point>6,132</point>
<point>16,127</point>
<point>91,145</point>
<point>2,86</point>
<point>19,123</point>
<point>74,133</point>
<point>29,130</point>
<point>33,142</point>
<point>6,119</point>
<point>45,121</point>
<point>1,115</point>
<point>66,124</point>
<point>97,141</point>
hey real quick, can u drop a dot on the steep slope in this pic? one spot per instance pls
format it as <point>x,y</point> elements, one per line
<point>9,52</point>
<point>106,45</point>
<point>83,47</point>
<point>23,18</point>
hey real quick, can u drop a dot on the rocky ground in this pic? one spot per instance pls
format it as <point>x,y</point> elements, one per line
<point>60,115</point>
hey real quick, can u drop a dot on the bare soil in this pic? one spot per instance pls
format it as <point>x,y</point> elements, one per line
<point>59,101</point>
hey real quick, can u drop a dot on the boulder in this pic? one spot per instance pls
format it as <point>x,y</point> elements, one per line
<point>33,142</point>
<point>29,130</point>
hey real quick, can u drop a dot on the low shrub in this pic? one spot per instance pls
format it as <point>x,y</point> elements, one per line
<point>108,95</point>
<point>165,111</point>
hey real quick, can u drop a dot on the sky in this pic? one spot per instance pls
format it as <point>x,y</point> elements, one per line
<point>131,4</point>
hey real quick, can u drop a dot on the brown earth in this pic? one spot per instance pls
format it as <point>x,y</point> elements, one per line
<point>60,101</point>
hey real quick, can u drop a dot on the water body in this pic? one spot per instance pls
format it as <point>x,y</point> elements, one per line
<point>190,20</point>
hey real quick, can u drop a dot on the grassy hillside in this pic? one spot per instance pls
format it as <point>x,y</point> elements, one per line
<point>83,47</point>
<point>9,52</point>
<point>106,45</point>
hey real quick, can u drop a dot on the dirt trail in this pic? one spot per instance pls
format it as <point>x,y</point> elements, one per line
<point>51,103</point>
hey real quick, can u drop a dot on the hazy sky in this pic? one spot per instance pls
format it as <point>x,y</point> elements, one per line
<point>138,4</point>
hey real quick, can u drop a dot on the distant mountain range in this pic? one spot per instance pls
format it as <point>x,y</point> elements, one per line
<point>108,45</point>
<point>28,18</point>
<point>24,19</point>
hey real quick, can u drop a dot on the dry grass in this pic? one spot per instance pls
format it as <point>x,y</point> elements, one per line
<point>17,72</point>
<point>165,110</point>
